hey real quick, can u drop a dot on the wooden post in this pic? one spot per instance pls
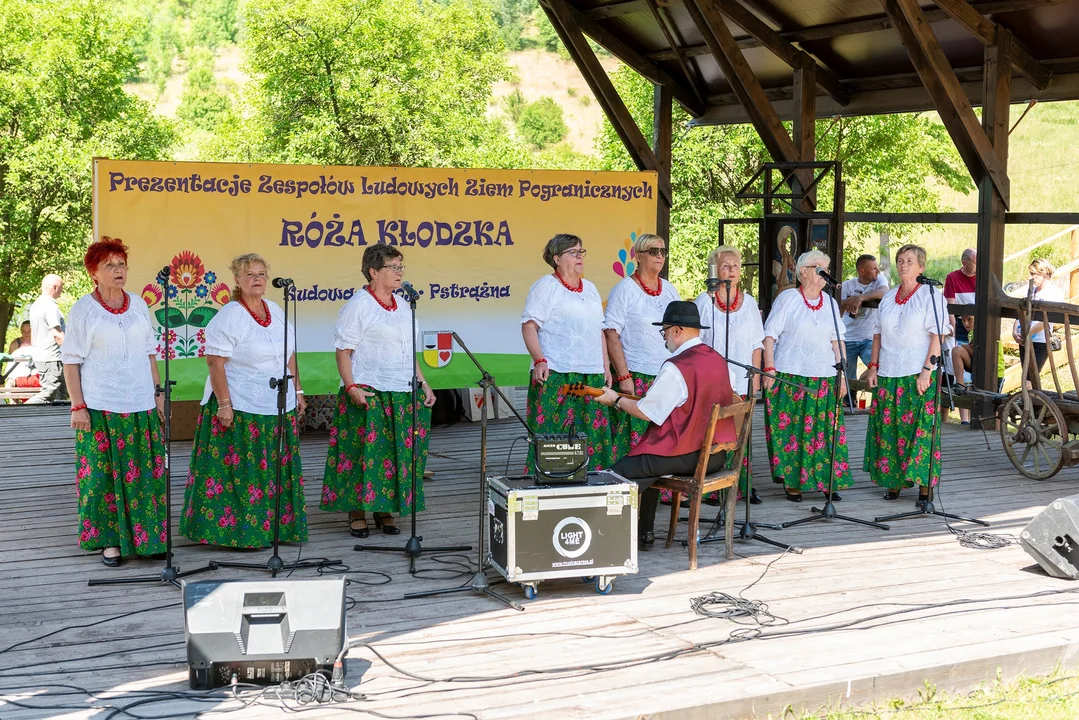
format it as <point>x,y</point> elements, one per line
<point>662,110</point>
<point>1073,284</point>
<point>991,211</point>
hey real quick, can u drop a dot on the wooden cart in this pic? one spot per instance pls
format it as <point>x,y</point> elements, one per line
<point>1040,427</point>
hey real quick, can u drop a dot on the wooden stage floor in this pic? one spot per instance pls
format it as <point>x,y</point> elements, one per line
<point>863,614</point>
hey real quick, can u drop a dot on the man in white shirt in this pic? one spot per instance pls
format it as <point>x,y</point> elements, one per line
<point>678,407</point>
<point>46,336</point>
<point>869,284</point>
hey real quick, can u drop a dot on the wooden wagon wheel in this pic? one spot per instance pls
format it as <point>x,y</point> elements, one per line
<point>1034,434</point>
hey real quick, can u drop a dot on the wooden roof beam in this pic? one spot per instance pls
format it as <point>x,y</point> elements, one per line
<point>985,30</point>
<point>562,18</point>
<point>948,97</point>
<point>784,50</point>
<point>686,97</point>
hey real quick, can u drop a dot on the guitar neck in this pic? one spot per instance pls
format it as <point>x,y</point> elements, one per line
<point>592,392</point>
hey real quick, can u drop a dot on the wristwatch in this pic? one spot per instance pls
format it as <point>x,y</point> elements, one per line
<point>616,401</point>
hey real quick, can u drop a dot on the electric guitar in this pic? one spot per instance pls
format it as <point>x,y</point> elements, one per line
<point>582,390</point>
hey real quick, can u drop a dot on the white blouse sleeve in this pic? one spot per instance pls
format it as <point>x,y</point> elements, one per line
<point>539,306</point>
<point>842,326</point>
<point>942,313</point>
<point>348,331</point>
<point>704,307</point>
<point>755,323</point>
<point>144,312</point>
<point>777,318</point>
<point>77,336</point>
<point>617,310</point>
<point>221,337</point>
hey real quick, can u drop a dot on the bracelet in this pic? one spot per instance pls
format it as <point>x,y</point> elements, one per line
<point>872,365</point>
<point>627,376</point>
<point>299,392</point>
<point>76,408</point>
<point>349,388</point>
<point>541,360</point>
<point>615,403</point>
<point>769,369</point>
<point>227,402</point>
<point>927,368</point>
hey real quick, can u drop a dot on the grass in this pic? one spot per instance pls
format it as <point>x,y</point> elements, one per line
<point>1054,697</point>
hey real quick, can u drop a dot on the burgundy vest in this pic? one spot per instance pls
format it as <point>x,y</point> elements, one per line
<point>706,376</point>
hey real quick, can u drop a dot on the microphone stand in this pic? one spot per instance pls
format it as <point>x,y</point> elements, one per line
<point>275,564</point>
<point>828,511</point>
<point>479,584</point>
<point>170,574</point>
<point>747,529</point>
<point>412,548</point>
<point>926,507</point>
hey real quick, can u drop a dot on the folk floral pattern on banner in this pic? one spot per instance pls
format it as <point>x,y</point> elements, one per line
<point>798,431</point>
<point>195,295</point>
<point>552,411</point>
<point>369,463</point>
<point>899,434</point>
<point>229,499</point>
<point>120,475</point>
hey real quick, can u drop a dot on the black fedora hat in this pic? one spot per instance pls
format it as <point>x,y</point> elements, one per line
<point>681,313</point>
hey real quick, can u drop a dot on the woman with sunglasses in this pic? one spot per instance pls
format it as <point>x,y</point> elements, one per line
<point>229,500</point>
<point>562,327</point>
<point>369,461</point>
<point>635,348</point>
<point>801,347</point>
<point>740,311</point>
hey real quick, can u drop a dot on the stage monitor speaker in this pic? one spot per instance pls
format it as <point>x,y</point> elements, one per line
<point>1052,538</point>
<point>263,632</point>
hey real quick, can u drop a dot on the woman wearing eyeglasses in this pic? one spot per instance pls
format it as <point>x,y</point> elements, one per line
<point>899,434</point>
<point>562,327</point>
<point>635,348</point>
<point>369,464</point>
<point>230,495</point>
<point>740,310</point>
<point>801,346</point>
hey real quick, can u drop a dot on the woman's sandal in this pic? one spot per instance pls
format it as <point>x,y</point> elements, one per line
<point>385,521</point>
<point>891,495</point>
<point>358,532</point>
<point>792,496</point>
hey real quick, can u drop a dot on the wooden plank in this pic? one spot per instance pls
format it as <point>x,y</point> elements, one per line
<point>564,22</point>
<point>784,50</point>
<point>986,31</point>
<point>991,212</point>
<point>662,145</point>
<point>940,81</point>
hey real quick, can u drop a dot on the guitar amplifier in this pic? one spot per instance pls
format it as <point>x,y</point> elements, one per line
<point>538,532</point>
<point>561,459</point>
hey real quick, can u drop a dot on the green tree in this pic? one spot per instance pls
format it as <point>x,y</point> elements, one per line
<point>204,102</point>
<point>386,82</point>
<point>63,64</point>
<point>887,163</point>
<point>541,123</point>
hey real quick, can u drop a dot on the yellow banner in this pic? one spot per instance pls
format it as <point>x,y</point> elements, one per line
<point>472,242</point>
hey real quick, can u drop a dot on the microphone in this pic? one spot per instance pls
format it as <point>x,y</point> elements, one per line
<point>712,283</point>
<point>827,278</point>
<point>282,282</point>
<point>923,280</point>
<point>163,276</point>
<point>411,293</point>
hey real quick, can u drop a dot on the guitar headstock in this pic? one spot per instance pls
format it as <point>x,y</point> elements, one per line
<point>577,388</point>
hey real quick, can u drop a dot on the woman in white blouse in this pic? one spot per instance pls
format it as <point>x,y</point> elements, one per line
<point>110,365</point>
<point>562,326</point>
<point>635,348</point>
<point>801,347</point>
<point>1041,272</point>
<point>901,419</point>
<point>372,440</point>
<point>230,498</point>
<point>746,332</point>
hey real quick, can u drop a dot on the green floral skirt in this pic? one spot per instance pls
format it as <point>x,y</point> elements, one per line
<point>626,430</point>
<point>120,474</point>
<point>899,433</point>
<point>369,463</point>
<point>798,431</point>
<point>229,500</point>
<point>549,409</point>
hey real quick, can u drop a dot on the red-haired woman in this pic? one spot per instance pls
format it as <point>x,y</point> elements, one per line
<point>110,365</point>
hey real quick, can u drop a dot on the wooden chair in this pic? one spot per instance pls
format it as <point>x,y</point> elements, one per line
<point>702,482</point>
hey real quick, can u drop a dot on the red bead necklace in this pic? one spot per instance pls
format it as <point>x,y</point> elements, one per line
<point>818,306</point>
<point>391,307</point>
<point>580,283</point>
<point>904,301</point>
<point>265,309</point>
<point>114,311</point>
<point>654,293</point>
<point>723,306</point>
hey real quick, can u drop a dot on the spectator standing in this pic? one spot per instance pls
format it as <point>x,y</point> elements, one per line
<point>868,284</point>
<point>959,289</point>
<point>47,335</point>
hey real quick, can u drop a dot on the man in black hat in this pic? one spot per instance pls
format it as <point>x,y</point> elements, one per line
<point>678,406</point>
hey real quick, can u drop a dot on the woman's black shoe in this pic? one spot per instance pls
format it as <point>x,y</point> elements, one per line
<point>159,556</point>
<point>835,497</point>
<point>922,499</point>
<point>792,497</point>
<point>891,495</point>
<point>358,532</point>
<point>646,540</point>
<point>110,561</point>
<point>754,499</point>
<point>386,527</point>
